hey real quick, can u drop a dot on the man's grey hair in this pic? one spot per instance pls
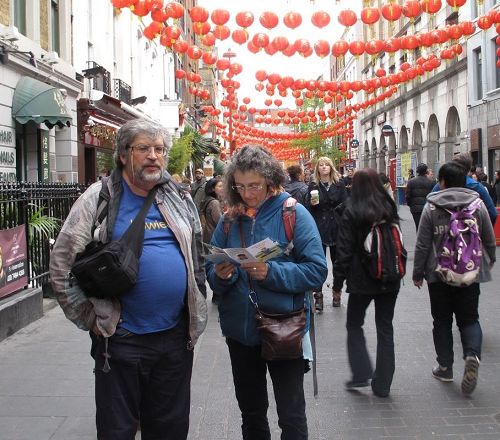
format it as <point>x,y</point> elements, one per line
<point>128,131</point>
<point>254,159</point>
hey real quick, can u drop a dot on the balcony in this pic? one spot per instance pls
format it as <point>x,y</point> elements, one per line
<point>122,91</point>
<point>100,78</point>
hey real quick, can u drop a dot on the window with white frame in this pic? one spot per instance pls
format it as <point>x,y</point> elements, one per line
<point>478,73</point>
<point>19,15</point>
<point>54,26</point>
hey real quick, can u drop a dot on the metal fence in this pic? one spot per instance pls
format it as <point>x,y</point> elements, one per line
<point>21,203</point>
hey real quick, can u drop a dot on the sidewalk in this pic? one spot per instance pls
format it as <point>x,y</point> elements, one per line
<point>46,381</point>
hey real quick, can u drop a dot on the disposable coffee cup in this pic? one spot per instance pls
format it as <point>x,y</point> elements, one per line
<point>314,197</point>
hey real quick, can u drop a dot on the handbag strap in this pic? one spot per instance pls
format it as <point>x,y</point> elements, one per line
<point>134,235</point>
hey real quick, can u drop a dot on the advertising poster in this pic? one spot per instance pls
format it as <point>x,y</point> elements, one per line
<point>13,260</point>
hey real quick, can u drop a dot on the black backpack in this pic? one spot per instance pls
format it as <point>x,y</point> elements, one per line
<point>384,254</point>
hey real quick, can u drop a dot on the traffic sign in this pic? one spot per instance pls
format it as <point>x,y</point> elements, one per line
<point>387,130</point>
<point>354,143</point>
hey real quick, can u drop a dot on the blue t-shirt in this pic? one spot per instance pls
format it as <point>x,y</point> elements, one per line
<point>157,300</point>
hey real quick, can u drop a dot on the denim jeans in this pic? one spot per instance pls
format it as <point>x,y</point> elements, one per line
<point>249,376</point>
<point>359,358</point>
<point>463,302</point>
<point>149,383</point>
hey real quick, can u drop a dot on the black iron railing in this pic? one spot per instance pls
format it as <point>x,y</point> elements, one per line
<point>99,76</point>
<point>123,91</point>
<point>20,203</point>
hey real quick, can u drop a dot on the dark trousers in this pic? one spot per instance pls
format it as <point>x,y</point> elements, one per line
<point>416,219</point>
<point>149,383</point>
<point>249,376</point>
<point>359,359</point>
<point>447,300</point>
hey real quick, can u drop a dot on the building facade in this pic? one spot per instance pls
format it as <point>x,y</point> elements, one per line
<point>38,92</point>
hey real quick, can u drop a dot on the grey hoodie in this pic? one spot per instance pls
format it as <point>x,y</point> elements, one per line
<point>433,227</point>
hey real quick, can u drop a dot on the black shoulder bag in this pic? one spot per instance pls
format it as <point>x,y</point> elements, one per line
<point>109,270</point>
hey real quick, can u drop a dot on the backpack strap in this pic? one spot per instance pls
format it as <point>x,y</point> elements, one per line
<point>102,207</point>
<point>289,216</point>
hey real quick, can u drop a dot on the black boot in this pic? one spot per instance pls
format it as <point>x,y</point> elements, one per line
<point>336,299</point>
<point>318,301</point>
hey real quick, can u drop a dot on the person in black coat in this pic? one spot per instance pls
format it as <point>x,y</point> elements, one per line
<point>496,188</point>
<point>296,187</point>
<point>369,204</point>
<point>328,183</point>
<point>416,192</point>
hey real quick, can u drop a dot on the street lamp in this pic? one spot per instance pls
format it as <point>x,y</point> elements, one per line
<point>228,55</point>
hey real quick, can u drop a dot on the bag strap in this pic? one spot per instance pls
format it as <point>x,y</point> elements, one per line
<point>134,235</point>
<point>102,206</point>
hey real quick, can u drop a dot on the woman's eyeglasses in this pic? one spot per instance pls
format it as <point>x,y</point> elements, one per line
<point>253,188</point>
<point>143,150</point>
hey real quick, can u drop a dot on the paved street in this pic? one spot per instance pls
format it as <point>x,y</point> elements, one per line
<point>46,383</point>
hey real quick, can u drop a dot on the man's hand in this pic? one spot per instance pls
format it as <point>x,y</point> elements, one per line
<point>418,283</point>
<point>224,270</point>
<point>256,271</point>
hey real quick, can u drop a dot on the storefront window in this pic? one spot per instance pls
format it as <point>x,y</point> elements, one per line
<point>103,163</point>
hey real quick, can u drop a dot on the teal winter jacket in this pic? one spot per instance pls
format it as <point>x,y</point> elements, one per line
<point>288,278</point>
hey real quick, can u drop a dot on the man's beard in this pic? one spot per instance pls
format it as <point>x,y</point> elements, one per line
<point>141,174</point>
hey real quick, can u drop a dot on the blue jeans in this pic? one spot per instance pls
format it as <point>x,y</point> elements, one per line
<point>359,359</point>
<point>447,300</point>
<point>249,376</point>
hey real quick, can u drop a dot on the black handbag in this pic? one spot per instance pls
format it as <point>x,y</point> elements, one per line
<point>109,270</point>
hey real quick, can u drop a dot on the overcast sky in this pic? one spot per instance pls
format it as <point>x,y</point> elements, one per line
<point>295,66</point>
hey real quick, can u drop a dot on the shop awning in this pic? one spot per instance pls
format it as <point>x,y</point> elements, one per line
<point>39,102</point>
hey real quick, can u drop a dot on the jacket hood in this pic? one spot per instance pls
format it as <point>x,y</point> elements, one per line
<point>451,198</point>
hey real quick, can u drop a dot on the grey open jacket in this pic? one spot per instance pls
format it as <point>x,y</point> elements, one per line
<point>178,210</point>
<point>433,228</point>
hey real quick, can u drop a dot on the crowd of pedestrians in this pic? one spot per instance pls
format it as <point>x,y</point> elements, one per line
<point>142,341</point>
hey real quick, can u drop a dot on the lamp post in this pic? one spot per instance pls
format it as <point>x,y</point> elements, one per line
<point>228,55</point>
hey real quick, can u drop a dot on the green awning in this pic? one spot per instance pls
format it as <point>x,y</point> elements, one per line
<point>39,102</point>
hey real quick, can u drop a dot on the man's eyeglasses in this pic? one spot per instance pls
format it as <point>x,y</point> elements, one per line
<point>253,188</point>
<point>145,149</point>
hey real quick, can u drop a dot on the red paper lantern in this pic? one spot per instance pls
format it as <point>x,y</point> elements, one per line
<point>373,47</point>
<point>370,15</point>
<point>270,49</point>
<point>222,64</point>
<point>277,103</point>
<point>140,9</point>
<point>174,10</point>
<point>274,78</point>
<point>181,46</point>
<point>236,68</point>
<point>180,74</point>
<point>455,4</point>
<point>261,75</point>
<point>320,19</point>
<point>357,48</point>
<point>302,45</point>
<point>201,28</point>
<point>280,43</point>
<point>289,51</point>
<point>222,32</point>
<point>159,14</point>
<point>412,9</point>
<point>219,17</point>
<point>208,39</point>
<point>244,19</point>
<point>431,6</point>
<point>252,47</point>
<point>322,48</point>
<point>380,72</point>
<point>209,58</point>
<point>484,22</point>
<point>198,14</point>
<point>391,12</point>
<point>292,20</point>
<point>260,40</point>
<point>468,28</point>
<point>194,52</point>
<point>340,48</point>
<point>454,32</point>
<point>409,42</point>
<point>269,20</point>
<point>347,17</point>
<point>240,36</point>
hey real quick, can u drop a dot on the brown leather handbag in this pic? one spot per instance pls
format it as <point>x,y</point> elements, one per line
<point>281,333</point>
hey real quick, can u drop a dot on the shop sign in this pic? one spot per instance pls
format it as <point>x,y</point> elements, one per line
<point>7,155</point>
<point>44,156</point>
<point>103,133</point>
<point>387,130</point>
<point>208,166</point>
<point>13,260</point>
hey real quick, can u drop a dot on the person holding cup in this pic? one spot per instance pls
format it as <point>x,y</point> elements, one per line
<point>324,195</point>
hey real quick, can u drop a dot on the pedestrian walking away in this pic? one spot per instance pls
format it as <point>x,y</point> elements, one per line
<point>142,341</point>
<point>454,294</point>
<point>325,194</point>
<point>256,200</point>
<point>198,188</point>
<point>416,192</point>
<point>296,187</point>
<point>369,205</point>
